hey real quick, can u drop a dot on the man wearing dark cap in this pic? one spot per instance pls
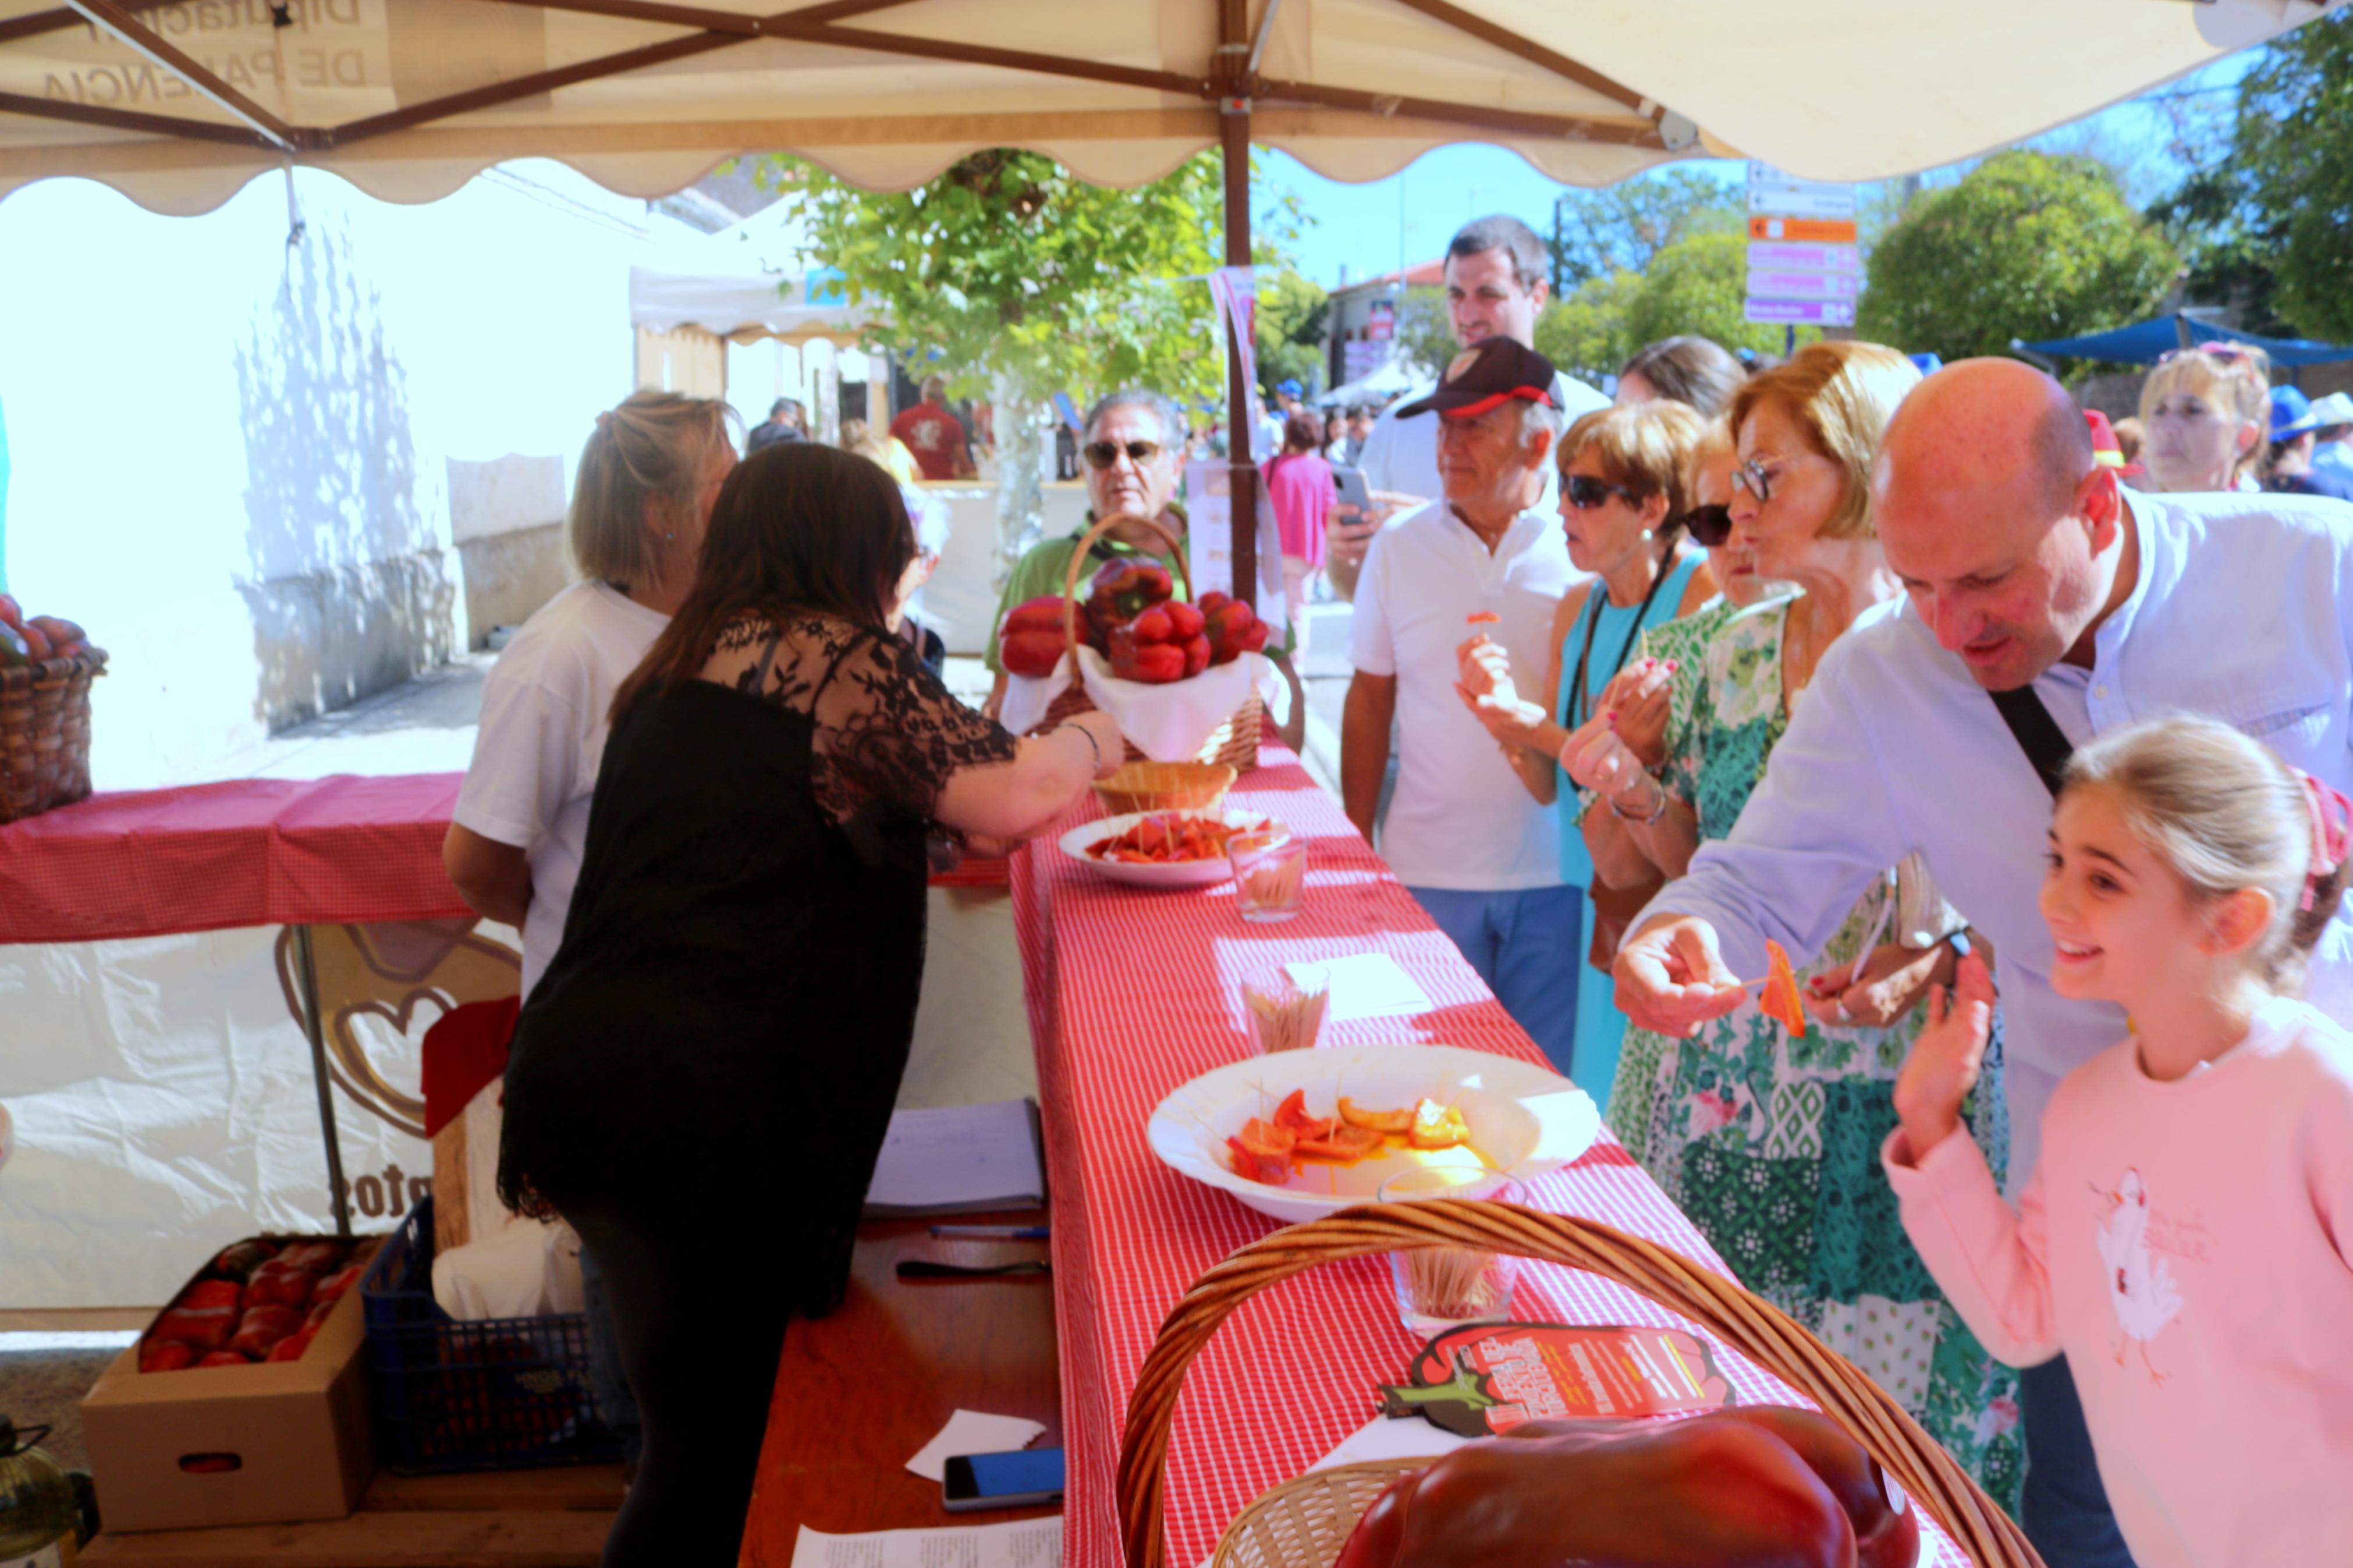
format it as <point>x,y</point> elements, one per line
<point>1461,833</point>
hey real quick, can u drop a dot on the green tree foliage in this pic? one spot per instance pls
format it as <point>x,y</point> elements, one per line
<point>2291,171</point>
<point>1698,285</point>
<point>1597,234</point>
<point>2027,244</point>
<point>1425,333</point>
<point>2228,250</point>
<point>1695,285</point>
<point>1586,334</point>
<point>1291,312</point>
<point>1009,269</point>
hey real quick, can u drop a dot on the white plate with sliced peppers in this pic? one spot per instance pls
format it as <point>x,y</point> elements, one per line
<point>1356,1115</point>
<point>1162,849</point>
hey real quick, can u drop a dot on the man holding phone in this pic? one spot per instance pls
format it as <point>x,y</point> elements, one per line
<point>1495,288</point>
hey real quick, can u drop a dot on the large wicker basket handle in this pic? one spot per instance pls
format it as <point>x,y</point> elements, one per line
<point>1078,559</point>
<point>1752,1326</point>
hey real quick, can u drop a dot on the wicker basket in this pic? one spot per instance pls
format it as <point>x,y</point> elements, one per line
<point>1233,744</point>
<point>1165,786</point>
<point>45,732</point>
<point>1304,1523</point>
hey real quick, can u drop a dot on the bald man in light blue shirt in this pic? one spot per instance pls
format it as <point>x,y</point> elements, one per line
<point>2024,564</point>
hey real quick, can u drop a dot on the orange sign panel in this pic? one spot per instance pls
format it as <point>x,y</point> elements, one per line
<point>1813,230</point>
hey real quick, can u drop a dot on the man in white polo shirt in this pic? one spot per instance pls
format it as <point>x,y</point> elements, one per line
<point>1461,833</point>
<point>1494,288</point>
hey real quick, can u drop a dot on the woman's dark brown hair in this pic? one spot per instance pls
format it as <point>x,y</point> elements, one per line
<point>798,527</point>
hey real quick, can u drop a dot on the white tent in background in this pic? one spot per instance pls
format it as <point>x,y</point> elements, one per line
<point>742,308</point>
<point>1392,378</point>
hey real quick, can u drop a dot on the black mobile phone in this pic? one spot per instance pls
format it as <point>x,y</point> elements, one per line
<point>1025,1477</point>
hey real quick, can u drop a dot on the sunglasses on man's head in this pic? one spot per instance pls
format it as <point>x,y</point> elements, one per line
<point>1709,526</point>
<point>2228,354</point>
<point>1104,454</point>
<point>1585,492</point>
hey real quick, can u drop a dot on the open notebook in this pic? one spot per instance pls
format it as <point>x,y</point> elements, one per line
<point>960,1159</point>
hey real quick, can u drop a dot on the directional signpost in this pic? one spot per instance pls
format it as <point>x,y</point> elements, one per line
<point>1803,262</point>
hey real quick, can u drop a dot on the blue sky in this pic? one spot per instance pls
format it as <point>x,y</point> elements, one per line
<point>1371,229</point>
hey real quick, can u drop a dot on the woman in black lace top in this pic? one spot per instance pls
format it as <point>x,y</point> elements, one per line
<point>702,1082</point>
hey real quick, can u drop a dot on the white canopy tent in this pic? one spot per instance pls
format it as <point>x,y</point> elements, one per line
<point>742,308</point>
<point>177,103</point>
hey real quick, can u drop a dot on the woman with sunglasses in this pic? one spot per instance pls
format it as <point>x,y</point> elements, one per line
<point>1623,508</point>
<point>1768,1139</point>
<point>2204,411</point>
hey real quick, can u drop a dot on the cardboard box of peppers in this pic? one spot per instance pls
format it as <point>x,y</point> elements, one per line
<point>1131,616</point>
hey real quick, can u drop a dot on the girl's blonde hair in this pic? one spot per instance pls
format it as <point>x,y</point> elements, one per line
<point>2225,814</point>
<point>859,437</point>
<point>1843,393</point>
<point>1645,446</point>
<point>2234,377</point>
<point>651,443</point>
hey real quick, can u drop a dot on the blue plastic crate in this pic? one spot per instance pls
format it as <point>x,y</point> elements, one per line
<point>499,1394</point>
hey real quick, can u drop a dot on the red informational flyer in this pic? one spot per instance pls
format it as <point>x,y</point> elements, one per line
<point>1486,1378</point>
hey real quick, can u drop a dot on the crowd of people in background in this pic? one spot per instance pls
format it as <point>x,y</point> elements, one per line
<point>2023,734</point>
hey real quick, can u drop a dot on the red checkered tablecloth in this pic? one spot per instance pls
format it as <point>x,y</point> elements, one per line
<point>243,852</point>
<point>1132,992</point>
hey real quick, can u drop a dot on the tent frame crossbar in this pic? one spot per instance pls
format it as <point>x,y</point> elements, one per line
<point>818,25</point>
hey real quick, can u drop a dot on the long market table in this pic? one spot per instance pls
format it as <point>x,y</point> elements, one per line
<point>1132,993</point>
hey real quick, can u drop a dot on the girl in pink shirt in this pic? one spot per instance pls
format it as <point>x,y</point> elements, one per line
<point>2187,1241</point>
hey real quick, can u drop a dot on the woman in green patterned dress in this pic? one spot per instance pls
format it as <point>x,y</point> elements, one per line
<point>1769,1141</point>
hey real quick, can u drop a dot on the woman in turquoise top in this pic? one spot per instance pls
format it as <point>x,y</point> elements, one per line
<point>1623,481</point>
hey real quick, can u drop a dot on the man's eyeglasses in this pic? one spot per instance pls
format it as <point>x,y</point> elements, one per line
<point>1104,454</point>
<point>1585,492</point>
<point>1751,477</point>
<point>1709,526</point>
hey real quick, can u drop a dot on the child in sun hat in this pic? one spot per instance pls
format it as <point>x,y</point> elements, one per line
<point>2187,1240</point>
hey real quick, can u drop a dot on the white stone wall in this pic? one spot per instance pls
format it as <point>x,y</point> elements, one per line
<point>232,455</point>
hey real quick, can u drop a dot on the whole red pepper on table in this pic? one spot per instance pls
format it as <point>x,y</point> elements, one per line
<point>1753,1486</point>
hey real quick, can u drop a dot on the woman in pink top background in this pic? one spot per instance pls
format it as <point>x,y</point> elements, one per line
<point>1299,488</point>
<point>2187,1240</point>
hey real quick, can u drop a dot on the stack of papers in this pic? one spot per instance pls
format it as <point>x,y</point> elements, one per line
<point>962,1159</point>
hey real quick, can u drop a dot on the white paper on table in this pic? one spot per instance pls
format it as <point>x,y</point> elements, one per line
<point>971,1432</point>
<point>1387,1438</point>
<point>1362,985</point>
<point>1019,1543</point>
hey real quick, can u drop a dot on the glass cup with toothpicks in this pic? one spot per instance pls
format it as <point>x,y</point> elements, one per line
<point>1442,1288</point>
<point>1284,1014</point>
<point>1270,873</point>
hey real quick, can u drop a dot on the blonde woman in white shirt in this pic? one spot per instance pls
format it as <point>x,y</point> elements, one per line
<point>640,501</point>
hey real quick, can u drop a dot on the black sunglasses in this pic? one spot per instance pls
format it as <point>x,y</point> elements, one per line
<point>1104,454</point>
<point>1585,492</point>
<point>1709,526</point>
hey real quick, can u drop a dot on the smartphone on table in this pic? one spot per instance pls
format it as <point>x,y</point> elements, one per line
<point>1023,1478</point>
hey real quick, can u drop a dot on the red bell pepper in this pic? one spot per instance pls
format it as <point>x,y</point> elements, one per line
<point>226,1358</point>
<point>1234,628</point>
<point>333,1286</point>
<point>1138,654</point>
<point>321,1257</point>
<point>263,1327</point>
<point>205,1327</point>
<point>1124,589</point>
<point>210,1293</point>
<point>166,1355</point>
<point>291,1347</point>
<point>1031,642</point>
<point>278,1283</point>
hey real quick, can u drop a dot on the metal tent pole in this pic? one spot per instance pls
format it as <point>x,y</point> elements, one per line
<point>1237,62</point>
<point>306,978</point>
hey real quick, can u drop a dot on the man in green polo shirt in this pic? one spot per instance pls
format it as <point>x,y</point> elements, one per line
<point>1133,451</point>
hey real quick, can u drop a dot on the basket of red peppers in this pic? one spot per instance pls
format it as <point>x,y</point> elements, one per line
<point>1129,633</point>
<point>1750,1487</point>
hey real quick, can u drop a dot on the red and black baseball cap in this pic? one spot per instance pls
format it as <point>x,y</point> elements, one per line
<point>1487,376</point>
